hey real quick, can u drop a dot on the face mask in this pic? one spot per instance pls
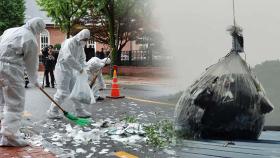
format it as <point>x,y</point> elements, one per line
<point>83,43</point>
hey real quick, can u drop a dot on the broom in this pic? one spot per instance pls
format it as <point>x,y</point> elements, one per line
<point>95,76</point>
<point>76,120</point>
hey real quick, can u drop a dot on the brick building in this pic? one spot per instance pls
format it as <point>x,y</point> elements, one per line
<point>131,57</point>
<point>53,35</point>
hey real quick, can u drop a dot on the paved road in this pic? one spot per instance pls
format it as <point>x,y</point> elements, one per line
<point>141,102</point>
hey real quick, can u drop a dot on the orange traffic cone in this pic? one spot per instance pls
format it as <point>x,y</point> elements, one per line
<point>115,92</point>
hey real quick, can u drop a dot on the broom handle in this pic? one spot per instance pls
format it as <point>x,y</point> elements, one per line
<point>95,76</point>
<point>43,80</point>
<point>51,99</point>
<point>93,80</point>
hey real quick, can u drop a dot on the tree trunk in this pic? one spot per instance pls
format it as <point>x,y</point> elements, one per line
<point>68,31</point>
<point>112,37</point>
<point>68,34</point>
<point>119,52</point>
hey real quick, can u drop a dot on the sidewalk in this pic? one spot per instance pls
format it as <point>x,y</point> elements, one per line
<point>130,80</point>
<point>26,152</point>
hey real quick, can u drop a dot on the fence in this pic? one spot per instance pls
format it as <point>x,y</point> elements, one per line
<point>144,58</point>
<point>130,58</point>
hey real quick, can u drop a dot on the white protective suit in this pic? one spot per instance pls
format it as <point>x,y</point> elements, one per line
<point>18,49</point>
<point>71,59</point>
<point>93,66</point>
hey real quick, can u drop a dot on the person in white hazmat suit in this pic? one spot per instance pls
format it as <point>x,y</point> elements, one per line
<point>93,66</point>
<point>18,50</point>
<point>71,59</point>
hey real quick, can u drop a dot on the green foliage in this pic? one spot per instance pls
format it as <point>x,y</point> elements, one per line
<point>161,133</point>
<point>57,46</point>
<point>130,119</point>
<point>11,14</point>
<point>115,22</point>
<point>64,12</point>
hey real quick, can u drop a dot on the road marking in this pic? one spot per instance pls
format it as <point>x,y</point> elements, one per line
<point>149,101</point>
<point>123,154</point>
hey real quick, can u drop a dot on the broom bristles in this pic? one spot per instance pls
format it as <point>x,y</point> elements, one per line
<point>77,120</point>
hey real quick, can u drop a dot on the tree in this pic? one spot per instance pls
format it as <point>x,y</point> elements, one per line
<point>268,74</point>
<point>150,37</point>
<point>115,22</point>
<point>11,14</point>
<point>64,13</point>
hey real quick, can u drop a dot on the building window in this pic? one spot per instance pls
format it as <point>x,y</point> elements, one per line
<point>44,39</point>
<point>91,44</point>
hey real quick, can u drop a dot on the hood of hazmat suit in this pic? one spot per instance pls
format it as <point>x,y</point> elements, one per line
<point>84,34</point>
<point>72,56</point>
<point>35,25</point>
<point>95,64</point>
<point>18,50</point>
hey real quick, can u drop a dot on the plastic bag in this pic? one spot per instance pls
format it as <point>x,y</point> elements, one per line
<point>227,102</point>
<point>81,91</point>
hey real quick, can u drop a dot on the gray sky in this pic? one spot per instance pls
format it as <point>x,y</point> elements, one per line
<point>195,32</point>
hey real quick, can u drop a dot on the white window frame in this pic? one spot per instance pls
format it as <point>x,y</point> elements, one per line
<point>46,37</point>
<point>91,43</point>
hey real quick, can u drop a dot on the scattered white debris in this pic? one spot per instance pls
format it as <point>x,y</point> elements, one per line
<point>89,156</point>
<point>93,149</point>
<point>128,140</point>
<point>80,150</point>
<point>57,143</point>
<point>104,151</point>
<point>56,137</point>
<point>36,140</point>
<point>133,104</point>
<point>142,115</point>
<point>152,113</point>
<point>170,152</point>
<point>107,129</point>
<point>108,146</point>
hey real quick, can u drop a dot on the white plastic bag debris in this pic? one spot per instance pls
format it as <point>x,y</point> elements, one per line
<point>57,143</point>
<point>80,150</point>
<point>36,140</point>
<point>89,155</point>
<point>104,151</point>
<point>81,91</point>
<point>169,151</point>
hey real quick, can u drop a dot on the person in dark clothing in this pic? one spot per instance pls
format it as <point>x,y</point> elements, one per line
<point>45,51</point>
<point>26,79</point>
<point>102,54</point>
<point>49,67</point>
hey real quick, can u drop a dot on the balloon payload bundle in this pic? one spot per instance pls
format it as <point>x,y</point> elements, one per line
<point>227,102</point>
